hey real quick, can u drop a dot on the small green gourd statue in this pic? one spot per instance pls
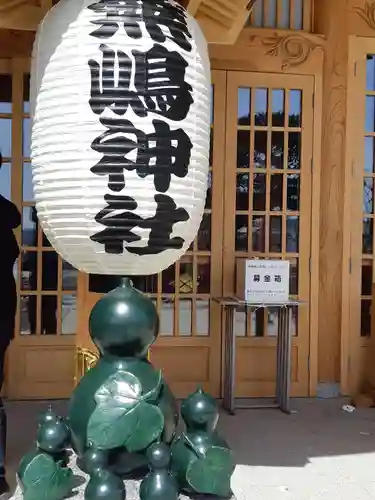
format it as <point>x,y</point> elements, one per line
<point>159,484</point>
<point>201,460</point>
<point>122,405</point>
<point>43,473</point>
<point>103,484</point>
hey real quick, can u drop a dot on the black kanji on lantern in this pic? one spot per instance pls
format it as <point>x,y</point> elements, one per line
<point>159,80</point>
<point>120,221</point>
<point>161,154</point>
<point>129,14</point>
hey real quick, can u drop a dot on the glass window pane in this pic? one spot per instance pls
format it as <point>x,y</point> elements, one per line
<point>166,318</point>
<point>285,14</point>
<point>212,104</point>
<point>69,276</point>
<point>294,150</point>
<point>368,195</point>
<point>278,108</point>
<point>293,192</point>
<point>69,314</point>
<point>366,318</point>
<point>243,149</point>
<point>367,236</point>
<point>298,15</point>
<point>5,93</point>
<point>295,108</point>
<point>203,318</point>
<point>27,183</point>
<point>275,233</point>
<point>5,180</point>
<point>204,233</point>
<point>369,166</point>
<point>6,137</point>
<point>29,234</point>
<point>259,233</point>
<point>26,137</point>
<point>366,279</point>
<point>370,72</point>
<point>276,194</point>
<point>243,113</point>
<point>261,107</point>
<point>292,234</point>
<point>242,192</point>
<point>26,94</point>
<point>259,192</point>
<point>258,13</point>
<point>185,309</point>
<point>370,113</point>
<point>271,14</point>
<point>242,231</point>
<point>277,150</point>
<point>260,150</point>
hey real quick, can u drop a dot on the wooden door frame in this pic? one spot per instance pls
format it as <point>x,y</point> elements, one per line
<point>351,341</point>
<point>313,285</point>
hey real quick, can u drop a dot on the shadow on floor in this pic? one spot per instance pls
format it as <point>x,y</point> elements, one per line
<point>265,438</point>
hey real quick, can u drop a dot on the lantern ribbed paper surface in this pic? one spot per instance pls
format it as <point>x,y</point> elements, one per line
<point>120,93</point>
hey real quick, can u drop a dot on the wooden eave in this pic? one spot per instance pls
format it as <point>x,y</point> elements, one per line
<point>220,20</point>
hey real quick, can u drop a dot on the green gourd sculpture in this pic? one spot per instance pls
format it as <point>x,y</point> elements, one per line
<point>43,473</point>
<point>159,484</point>
<point>201,460</point>
<point>122,405</point>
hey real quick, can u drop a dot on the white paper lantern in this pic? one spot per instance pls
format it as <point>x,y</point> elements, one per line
<point>120,93</point>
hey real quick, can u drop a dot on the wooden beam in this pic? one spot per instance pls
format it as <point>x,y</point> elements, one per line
<point>22,17</point>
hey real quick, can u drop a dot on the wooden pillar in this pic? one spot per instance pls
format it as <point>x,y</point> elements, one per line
<point>331,19</point>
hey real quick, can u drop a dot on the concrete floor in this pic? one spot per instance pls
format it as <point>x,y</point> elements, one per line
<point>319,453</point>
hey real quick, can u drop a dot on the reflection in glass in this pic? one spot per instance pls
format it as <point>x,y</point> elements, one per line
<point>275,235</point>
<point>28,227</point>
<point>276,194</point>
<point>298,15</point>
<point>166,318</point>
<point>294,150</point>
<point>26,94</point>
<point>244,103</point>
<point>242,192</point>
<point>6,137</point>
<point>169,280</point>
<point>204,233</point>
<point>259,192</point>
<point>278,108</point>
<point>370,113</point>
<point>185,309</point>
<point>257,323</point>
<point>27,183</point>
<point>260,150</point>
<point>295,108</point>
<point>208,204</point>
<point>366,318</point>
<point>5,181</point>
<point>212,100</point>
<point>203,318</point>
<point>370,72</point>
<point>293,192</point>
<point>369,166</point>
<point>285,15</point>
<point>292,234</point>
<point>367,236</point>
<point>277,150</point>
<point>27,263</point>
<point>368,195</point>
<point>366,279</point>
<point>26,137</point>
<point>270,21</point>
<point>5,94</point>
<point>259,233</point>
<point>69,314</point>
<point>242,230</point>
<point>293,278</point>
<point>211,158</point>
<point>24,316</point>
<point>69,276</point>
<point>99,283</point>
<point>261,107</point>
<point>272,321</point>
<point>204,275</point>
<point>243,149</point>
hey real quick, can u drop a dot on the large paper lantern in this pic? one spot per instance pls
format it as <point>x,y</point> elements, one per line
<point>120,93</point>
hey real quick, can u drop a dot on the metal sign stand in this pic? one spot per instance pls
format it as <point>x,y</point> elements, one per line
<point>284,353</point>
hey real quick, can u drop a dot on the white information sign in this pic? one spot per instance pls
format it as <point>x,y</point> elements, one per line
<point>267,281</point>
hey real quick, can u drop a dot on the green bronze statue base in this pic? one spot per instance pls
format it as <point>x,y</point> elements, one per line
<point>123,418</point>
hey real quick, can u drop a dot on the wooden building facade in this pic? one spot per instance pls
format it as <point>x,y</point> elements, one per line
<point>292,176</point>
